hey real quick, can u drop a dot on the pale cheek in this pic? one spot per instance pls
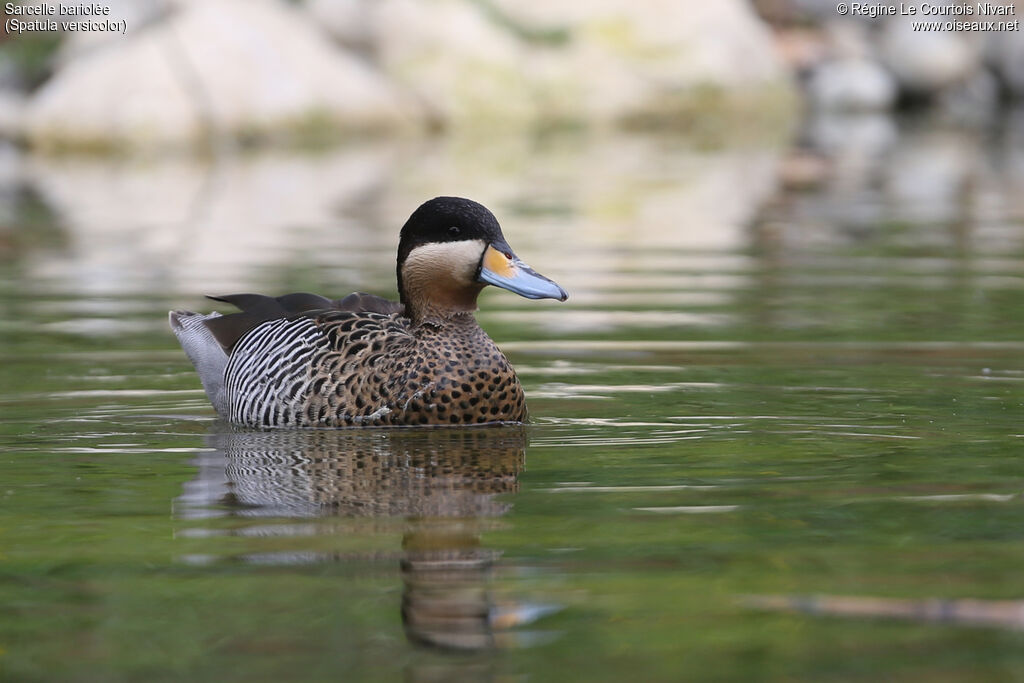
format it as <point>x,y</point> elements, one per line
<point>435,276</point>
<point>444,265</point>
<point>466,276</point>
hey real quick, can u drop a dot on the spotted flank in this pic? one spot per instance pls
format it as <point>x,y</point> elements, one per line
<point>305,361</point>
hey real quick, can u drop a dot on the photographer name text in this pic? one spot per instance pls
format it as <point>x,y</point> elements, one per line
<point>874,9</point>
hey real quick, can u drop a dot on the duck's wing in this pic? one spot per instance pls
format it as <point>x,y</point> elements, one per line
<point>361,302</point>
<point>256,309</point>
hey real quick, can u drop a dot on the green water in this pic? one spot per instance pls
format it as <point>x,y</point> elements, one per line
<point>776,436</point>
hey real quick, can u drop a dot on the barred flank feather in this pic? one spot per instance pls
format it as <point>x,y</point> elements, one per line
<point>269,372</point>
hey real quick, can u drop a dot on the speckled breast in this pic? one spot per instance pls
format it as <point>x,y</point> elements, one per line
<point>463,379</point>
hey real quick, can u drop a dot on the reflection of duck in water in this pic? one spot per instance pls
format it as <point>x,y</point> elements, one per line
<point>355,473</point>
<point>443,481</point>
<point>301,360</point>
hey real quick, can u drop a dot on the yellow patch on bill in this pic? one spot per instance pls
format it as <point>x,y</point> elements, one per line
<point>497,263</point>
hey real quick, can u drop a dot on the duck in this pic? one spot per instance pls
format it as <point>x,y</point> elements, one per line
<point>306,361</point>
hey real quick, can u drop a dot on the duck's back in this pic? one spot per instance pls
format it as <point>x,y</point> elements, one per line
<point>339,368</point>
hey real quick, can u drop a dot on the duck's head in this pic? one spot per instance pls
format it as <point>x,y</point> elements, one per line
<point>450,249</point>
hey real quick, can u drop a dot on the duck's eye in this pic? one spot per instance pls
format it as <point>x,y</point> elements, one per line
<point>454,231</point>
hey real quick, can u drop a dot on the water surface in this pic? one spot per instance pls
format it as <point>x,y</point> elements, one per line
<point>776,428</point>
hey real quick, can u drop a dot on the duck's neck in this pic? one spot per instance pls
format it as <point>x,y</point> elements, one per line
<point>437,296</point>
<point>449,307</point>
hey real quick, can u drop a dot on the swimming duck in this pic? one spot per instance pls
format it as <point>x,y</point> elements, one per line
<point>303,360</point>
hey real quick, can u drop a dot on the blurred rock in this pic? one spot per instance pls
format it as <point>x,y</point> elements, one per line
<point>850,79</point>
<point>225,69</point>
<point>851,85</point>
<point>962,74</point>
<point>802,48</point>
<point>821,9</point>
<point>972,101</point>
<point>654,60</point>
<point>605,61</point>
<point>87,104</point>
<point>137,15</point>
<point>222,69</point>
<point>347,21</point>
<point>925,62</point>
<point>460,64</point>
<point>1005,52</point>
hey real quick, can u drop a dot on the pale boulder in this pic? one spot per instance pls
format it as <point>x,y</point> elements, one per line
<point>128,95</point>
<point>137,15</point>
<point>347,21</point>
<point>927,61</point>
<point>224,68</point>
<point>464,67</point>
<point>851,85</point>
<point>655,59</point>
<point>600,61</point>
